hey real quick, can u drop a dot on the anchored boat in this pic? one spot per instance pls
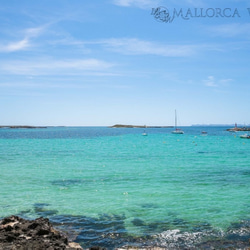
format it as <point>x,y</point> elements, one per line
<point>177,130</point>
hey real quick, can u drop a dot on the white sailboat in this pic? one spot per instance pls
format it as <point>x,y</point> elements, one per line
<point>144,132</point>
<point>177,130</point>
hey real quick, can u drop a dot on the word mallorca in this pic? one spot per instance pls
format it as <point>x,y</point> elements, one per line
<point>162,14</point>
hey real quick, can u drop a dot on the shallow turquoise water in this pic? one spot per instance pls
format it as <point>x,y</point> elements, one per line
<point>150,184</point>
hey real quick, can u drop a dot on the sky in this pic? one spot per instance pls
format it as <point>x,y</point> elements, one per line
<point>106,62</point>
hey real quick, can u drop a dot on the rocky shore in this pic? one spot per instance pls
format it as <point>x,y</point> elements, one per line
<point>19,234</point>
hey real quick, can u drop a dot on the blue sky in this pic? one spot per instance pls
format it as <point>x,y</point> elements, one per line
<point>93,62</point>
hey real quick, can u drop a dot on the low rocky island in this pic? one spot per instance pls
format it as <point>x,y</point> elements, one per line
<point>236,129</point>
<point>137,126</point>
<point>21,126</point>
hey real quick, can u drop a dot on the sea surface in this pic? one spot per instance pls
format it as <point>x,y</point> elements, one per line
<point>114,187</point>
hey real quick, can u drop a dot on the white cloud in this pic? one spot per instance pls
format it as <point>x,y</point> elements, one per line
<point>137,3</point>
<point>212,82</point>
<point>123,2</point>
<point>196,3</point>
<point>34,32</point>
<point>24,43</point>
<point>15,46</point>
<point>151,3</point>
<point>134,46</point>
<point>51,67</point>
<point>230,30</point>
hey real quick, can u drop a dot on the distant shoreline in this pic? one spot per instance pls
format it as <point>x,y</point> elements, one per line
<point>235,129</point>
<point>25,126</point>
<point>137,126</point>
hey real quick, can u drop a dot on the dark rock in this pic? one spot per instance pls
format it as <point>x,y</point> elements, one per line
<point>18,233</point>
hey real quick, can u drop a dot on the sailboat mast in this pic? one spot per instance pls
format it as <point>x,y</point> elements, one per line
<point>177,130</point>
<point>175,120</point>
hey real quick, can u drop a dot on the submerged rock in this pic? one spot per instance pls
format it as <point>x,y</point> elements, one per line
<point>18,233</point>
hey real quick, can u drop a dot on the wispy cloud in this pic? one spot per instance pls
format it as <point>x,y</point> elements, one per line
<point>51,67</point>
<point>15,46</point>
<point>137,3</point>
<point>230,30</point>
<point>35,32</point>
<point>25,42</point>
<point>143,4</point>
<point>134,46</point>
<point>211,81</point>
<point>195,3</point>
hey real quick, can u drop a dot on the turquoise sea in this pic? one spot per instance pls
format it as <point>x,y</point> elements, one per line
<point>113,187</point>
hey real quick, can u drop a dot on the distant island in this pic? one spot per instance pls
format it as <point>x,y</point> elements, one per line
<point>137,126</point>
<point>236,129</point>
<point>25,126</point>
